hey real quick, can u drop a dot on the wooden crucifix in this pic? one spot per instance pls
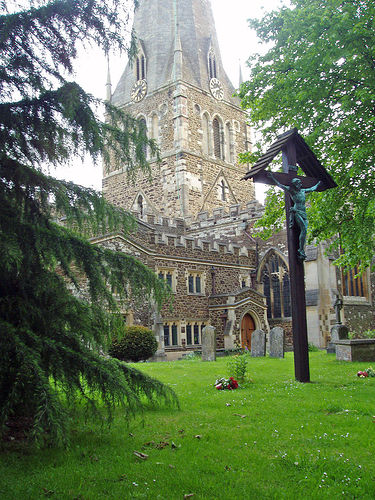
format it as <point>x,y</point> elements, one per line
<point>295,152</point>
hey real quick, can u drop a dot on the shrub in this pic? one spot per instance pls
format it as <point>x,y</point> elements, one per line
<point>237,366</point>
<point>137,344</point>
<point>313,348</point>
<point>366,334</point>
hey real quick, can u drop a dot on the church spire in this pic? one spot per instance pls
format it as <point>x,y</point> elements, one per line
<point>177,57</point>
<point>176,37</point>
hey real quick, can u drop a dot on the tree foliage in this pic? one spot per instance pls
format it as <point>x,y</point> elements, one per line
<point>56,306</point>
<point>318,75</point>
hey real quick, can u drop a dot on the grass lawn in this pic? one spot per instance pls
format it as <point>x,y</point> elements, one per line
<point>274,438</point>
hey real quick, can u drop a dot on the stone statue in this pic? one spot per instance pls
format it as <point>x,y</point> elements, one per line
<point>298,210</point>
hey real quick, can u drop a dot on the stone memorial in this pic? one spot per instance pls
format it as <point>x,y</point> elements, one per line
<point>338,332</point>
<point>277,342</point>
<point>258,343</point>
<point>208,343</point>
<point>355,350</point>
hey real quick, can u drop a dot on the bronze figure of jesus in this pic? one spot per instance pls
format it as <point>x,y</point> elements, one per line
<point>298,210</point>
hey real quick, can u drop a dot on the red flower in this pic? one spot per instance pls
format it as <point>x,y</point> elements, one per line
<point>233,383</point>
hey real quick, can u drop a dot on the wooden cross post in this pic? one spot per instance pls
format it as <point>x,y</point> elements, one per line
<point>297,281</point>
<point>294,150</point>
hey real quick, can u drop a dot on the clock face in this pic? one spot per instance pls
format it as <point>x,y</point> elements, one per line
<point>139,90</point>
<point>216,89</point>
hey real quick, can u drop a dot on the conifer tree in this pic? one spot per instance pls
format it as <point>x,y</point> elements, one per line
<point>50,333</point>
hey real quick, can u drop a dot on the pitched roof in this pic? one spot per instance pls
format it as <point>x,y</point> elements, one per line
<point>306,159</point>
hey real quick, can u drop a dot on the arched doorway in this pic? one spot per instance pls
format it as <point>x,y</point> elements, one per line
<point>247,328</point>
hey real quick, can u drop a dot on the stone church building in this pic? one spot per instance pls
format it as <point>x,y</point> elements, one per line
<point>196,215</point>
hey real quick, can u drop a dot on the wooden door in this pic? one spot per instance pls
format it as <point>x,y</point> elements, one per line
<point>247,328</point>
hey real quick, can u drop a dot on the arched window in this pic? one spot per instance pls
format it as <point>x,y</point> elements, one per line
<point>212,64</point>
<point>140,205</point>
<point>276,286</point>
<point>217,133</point>
<point>143,67</point>
<point>205,135</point>
<point>140,66</point>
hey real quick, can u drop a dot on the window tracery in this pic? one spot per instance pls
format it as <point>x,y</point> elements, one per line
<point>276,286</point>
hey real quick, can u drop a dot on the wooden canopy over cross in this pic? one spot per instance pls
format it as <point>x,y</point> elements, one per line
<point>303,156</point>
<point>295,152</point>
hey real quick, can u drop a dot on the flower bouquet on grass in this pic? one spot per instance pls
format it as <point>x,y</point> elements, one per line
<point>224,383</point>
<point>369,372</point>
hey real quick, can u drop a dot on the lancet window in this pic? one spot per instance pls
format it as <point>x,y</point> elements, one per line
<point>212,64</point>
<point>140,67</point>
<point>140,205</point>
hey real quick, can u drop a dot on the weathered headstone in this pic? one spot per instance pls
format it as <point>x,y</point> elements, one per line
<point>258,343</point>
<point>208,343</point>
<point>277,342</point>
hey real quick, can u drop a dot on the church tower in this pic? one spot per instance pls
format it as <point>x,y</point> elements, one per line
<point>179,89</point>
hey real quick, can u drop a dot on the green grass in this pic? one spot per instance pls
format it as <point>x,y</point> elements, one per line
<point>275,438</point>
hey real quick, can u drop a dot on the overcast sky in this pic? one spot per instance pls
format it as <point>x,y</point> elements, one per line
<point>237,42</point>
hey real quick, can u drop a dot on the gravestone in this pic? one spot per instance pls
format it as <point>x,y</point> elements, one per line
<point>258,343</point>
<point>277,342</point>
<point>208,343</point>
